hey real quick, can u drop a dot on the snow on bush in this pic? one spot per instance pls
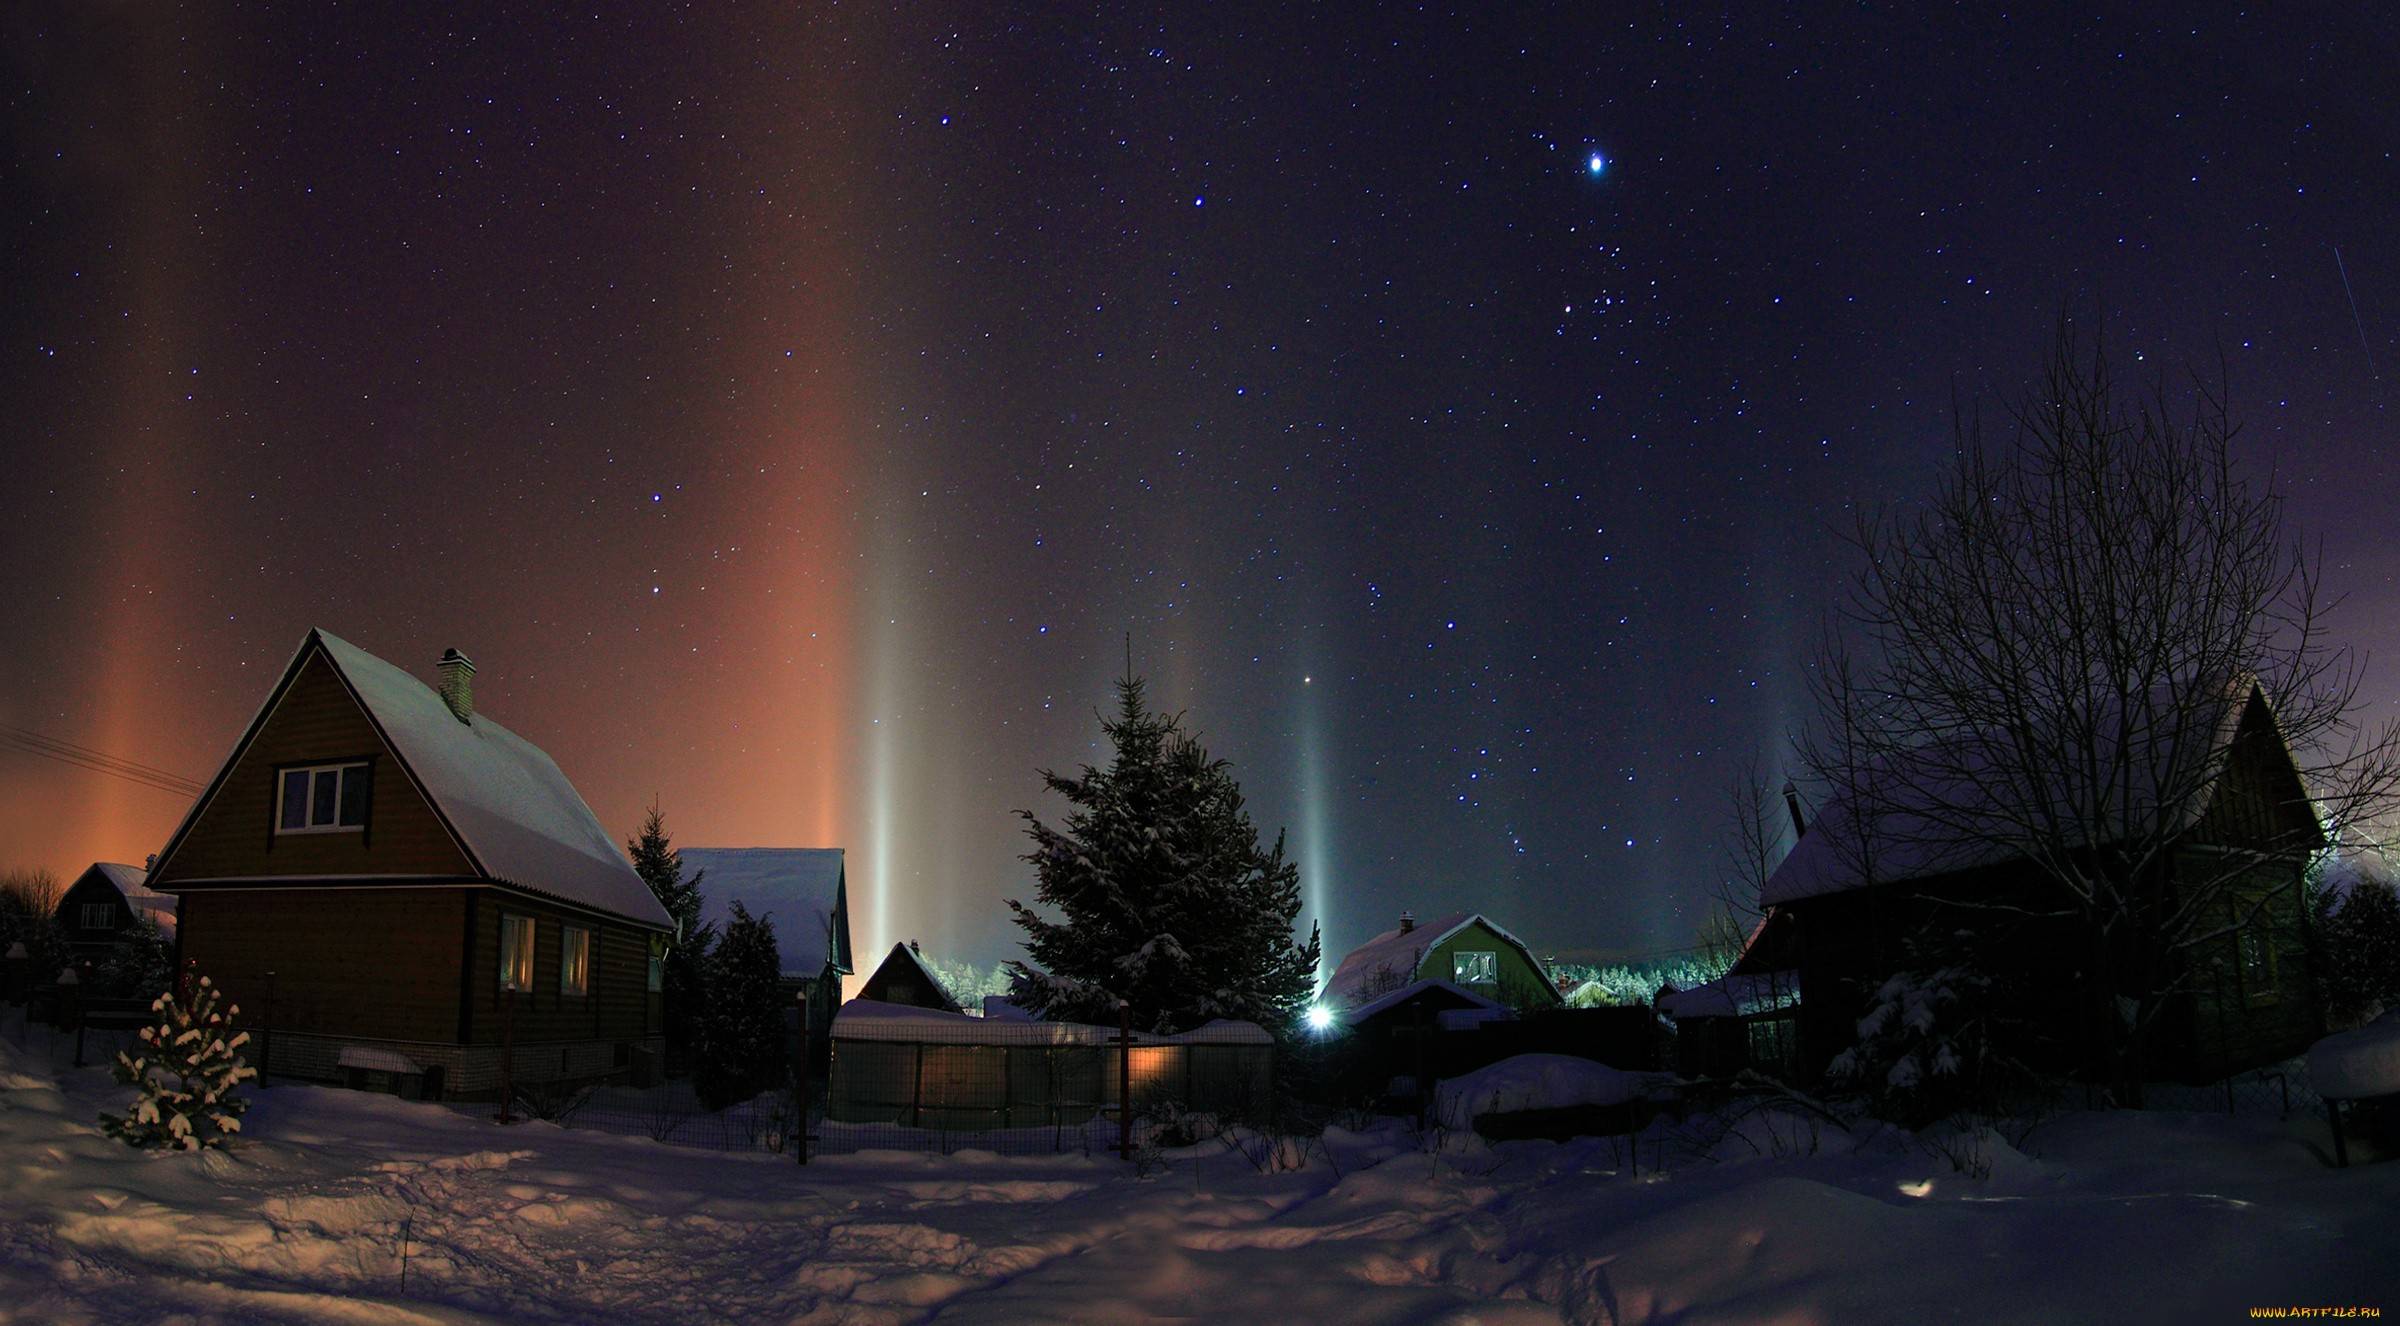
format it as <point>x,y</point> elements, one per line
<point>1538,1082</point>
<point>2353,1065</point>
<point>187,1077</point>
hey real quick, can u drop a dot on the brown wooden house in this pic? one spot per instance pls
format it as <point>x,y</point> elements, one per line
<point>905,978</point>
<point>381,874</point>
<point>1839,918</point>
<point>103,903</point>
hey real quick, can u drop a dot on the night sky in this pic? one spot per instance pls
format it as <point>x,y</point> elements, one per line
<point>793,410</point>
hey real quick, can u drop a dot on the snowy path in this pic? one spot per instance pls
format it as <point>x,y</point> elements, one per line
<point>2126,1218</point>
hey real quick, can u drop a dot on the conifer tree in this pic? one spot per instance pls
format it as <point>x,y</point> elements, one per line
<point>738,1049</point>
<point>1164,897</point>
<point>186,1077</point>
<point>661,867</point>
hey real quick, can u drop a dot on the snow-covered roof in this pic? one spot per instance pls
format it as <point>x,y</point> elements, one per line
<point>1734,996</point>
<point>914,962</point>
<point>1394,998</point>
<point>513,814</point>
<point>2353,1065</point>
<point>800,889</point>
<point>1916,828</point>
<point>1541,1082</point>
<point>874,1020</point>
<point>128,882</point>
<point>517,816</point>
<point>1399,952</point>
<point>999,1009</point>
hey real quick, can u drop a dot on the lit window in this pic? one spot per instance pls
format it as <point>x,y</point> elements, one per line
<point>1477,968</point>
<point>516,952</point>
<point>657,978</point>
<point>574,960</point>
<point>98,916</point>
<point>324,798</point>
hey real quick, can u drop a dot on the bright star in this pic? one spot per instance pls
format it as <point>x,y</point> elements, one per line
<point>1597,164</point>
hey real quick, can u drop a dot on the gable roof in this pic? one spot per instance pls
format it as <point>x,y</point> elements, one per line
<point>1401,951</point>
<point>912,965</point>
<point>801,889</point>
<point>503,800</point>
<point>2173,752</point>
<point>1432,984</point>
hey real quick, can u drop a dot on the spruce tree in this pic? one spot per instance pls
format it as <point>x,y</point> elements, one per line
<point>738,1047</point>
<point>186,1076</point>
<point>661,867</point>
<point>1164,896</point>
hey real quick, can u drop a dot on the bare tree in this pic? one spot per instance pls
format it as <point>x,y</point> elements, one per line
<point>2050,663</point>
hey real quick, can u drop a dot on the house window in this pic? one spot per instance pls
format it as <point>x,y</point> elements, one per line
<point>322,798</point>
<point>2255,950</point>
<point>516,952</point>
<point>656,980</point>
<point>98,916</point>
<point>574,961</point>
<point>1475,968</point>
<point>1772,1044</point>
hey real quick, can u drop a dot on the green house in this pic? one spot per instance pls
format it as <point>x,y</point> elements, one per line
<point>1464,949</point>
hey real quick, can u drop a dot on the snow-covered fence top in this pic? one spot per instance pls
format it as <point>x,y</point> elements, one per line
<point>872,1020</point>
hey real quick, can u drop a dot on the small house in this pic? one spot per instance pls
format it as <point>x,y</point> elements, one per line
<point>382,874</point>
<point>1465,949</point>
<point>804,893</point>
<point>907,980</point>
<point>104,902</point>
<point>1856,889</point>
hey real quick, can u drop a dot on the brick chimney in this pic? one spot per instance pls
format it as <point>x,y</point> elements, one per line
<point>457,684</point>
<point>1408,922</point>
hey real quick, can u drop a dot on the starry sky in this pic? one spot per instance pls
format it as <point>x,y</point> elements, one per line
<point>793,410</point>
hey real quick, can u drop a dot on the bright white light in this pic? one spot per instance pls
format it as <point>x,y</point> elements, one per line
<point>1597,164</point>
<point>1320,1018</point>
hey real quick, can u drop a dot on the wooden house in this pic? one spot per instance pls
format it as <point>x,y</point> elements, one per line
<point>1466,950</point>
<point>1843,907</point>
<point>904,978</point>
<point>382,875</point>
<point>103,903</point>
<point>804,893</point>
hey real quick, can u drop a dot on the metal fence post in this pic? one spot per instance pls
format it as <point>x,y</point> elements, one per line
<point>1124,1080</point>
<point>800,1091</point>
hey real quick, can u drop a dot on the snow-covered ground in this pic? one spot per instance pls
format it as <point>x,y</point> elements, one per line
<point>341,1206</point>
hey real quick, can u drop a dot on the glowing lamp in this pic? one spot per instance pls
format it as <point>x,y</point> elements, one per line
<point>1320,1018</point>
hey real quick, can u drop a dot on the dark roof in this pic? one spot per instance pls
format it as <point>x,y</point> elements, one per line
<point>801,889</point>
<point>1922,821</point>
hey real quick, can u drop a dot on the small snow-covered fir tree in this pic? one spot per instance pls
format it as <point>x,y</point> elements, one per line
<point>738,1048</point>
<point>187,1075</point>
<point>1164,895</point>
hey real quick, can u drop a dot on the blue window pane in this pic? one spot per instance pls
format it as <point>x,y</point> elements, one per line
<point>329,784</point>
<point>295,800</point>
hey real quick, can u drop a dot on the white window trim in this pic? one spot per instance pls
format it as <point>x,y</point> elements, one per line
<point>283,777</point>
<point>1491,955</point>
<point>532,947</point>
<point>107,916</point>
<point>567,934</point>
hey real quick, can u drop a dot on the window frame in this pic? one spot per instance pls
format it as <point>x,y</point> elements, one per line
<point>105,914</point>
<point>529,947</point>
<point>654,979</point>
<point>1487,960</point>
<point>2255,990</point>
<point>568,951</point>
<point>343,771</point>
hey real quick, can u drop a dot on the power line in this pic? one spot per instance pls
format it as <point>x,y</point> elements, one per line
<point>99,762</point>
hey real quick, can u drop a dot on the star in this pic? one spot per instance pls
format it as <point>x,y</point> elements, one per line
<point>1596,165</point>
